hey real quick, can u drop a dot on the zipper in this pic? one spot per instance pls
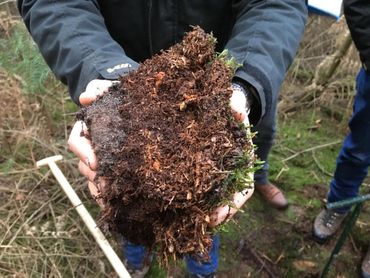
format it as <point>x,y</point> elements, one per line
<point>150,5</point>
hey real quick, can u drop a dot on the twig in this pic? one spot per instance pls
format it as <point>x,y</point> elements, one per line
<point>279,258</point>
<point>288,149</point>
<point>74,256</point>
<point>55,268</point>
<point>319,165</point>
<point>21,226</point>
<point>13,190</point>
<point>6,1</point>
<point>265,257</point>
<point>258,259</point>
<point>362,224</point>
<point>25,207</point>
<point>18,171</point>
<point>287,221</point>
<point>284,169</point>
<point>311,149</point>
<point>353,244</point>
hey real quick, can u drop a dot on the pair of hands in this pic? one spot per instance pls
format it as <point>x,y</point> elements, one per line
<point>88,163</point>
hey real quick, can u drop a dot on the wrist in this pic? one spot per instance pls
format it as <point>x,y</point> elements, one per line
<point>253,100</point>
<point>239,88</point>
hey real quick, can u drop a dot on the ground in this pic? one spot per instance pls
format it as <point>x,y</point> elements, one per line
<point>41,234</point>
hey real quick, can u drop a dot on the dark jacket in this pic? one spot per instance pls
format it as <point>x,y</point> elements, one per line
<point>86,39</point>
<point>357,13</point>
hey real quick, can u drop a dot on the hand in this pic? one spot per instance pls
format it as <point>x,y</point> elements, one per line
<point>80,145</point>
<point>225,213</point>
<point>239,106</point>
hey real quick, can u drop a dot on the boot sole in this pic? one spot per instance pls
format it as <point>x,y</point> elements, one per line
<point>320,240</point>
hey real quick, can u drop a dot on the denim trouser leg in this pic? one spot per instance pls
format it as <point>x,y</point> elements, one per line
<point>136,254</point>
<point>266,130</point>
<point>203,268</point>
<point>354,158</point>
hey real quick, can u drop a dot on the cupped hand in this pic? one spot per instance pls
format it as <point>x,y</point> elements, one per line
<point>79,144</point>
<point>239,107</point>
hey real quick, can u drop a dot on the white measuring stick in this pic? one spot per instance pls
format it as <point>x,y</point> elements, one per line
<point>85,215</point>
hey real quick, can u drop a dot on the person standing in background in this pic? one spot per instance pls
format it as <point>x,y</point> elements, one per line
<point>354,158</point>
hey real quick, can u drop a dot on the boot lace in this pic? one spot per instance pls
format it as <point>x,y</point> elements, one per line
<point>330,218</point>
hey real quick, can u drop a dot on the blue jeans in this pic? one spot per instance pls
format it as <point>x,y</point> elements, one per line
<point>137,254</point>
<point>354,158</point>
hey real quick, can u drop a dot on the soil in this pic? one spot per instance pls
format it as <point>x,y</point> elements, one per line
<point>167,147</point>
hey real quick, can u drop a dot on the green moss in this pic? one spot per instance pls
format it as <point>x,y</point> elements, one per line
<point>156,271</point>
<point>229,61</point>
<point>6,166</point>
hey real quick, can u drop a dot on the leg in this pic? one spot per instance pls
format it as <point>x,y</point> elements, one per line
<point>354,158</point>
<point>134,254</point>
<point>266,130</point>
<point>352,162</point>
<point>137,259</point>
<point>264,139</point>
<point>206,268</point>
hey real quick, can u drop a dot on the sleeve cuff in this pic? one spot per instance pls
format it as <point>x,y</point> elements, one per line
<point>101,66</point>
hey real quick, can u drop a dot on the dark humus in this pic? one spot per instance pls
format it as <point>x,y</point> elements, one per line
<point>168,147</point>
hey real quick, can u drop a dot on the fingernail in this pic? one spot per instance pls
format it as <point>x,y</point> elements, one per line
<point>87,162</point>
<point>93,164</point>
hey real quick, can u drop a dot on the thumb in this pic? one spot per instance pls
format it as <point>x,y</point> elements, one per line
<point>95,88</point>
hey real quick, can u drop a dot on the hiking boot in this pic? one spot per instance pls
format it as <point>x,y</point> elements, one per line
<point>134,272</point>
<point>272,195</point>
<point>211,275</point>
<point>327,222</point>
<point>365,267</point>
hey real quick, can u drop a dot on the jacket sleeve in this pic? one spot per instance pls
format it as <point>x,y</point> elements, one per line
<point>264,41</point>
<point>74,41</point>
<point>357,13</point>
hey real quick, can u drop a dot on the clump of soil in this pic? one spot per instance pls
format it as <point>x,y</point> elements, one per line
<point>167,146</point>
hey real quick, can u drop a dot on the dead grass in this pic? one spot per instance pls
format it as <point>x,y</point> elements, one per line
<point>40,233</point>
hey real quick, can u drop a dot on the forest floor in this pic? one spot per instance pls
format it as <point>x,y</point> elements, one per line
<point>42,236</point>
